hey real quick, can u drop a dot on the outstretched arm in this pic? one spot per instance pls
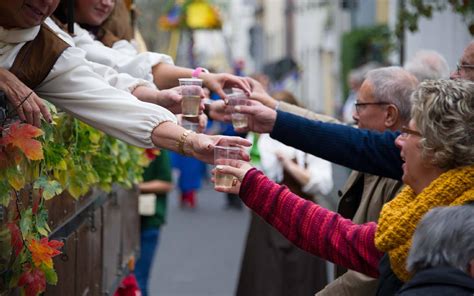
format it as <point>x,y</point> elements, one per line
<point>359,149</point>
<point>166,76</point>
<point>313,228</point>
<point>362,150</point>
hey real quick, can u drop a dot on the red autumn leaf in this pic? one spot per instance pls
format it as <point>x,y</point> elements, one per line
<point>16,241</point>
<point>151,153</point>
<point>21,136</point>
<point>43,251</point>
<point>32,280</point>
<point>56,245</point>
<point>36,201</point>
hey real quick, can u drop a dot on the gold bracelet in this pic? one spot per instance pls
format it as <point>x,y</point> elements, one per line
<point>182,140</point>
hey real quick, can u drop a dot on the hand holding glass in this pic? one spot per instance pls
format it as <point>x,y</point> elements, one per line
<point>239,120</point>
<point>191,92</point>
<point>224,155</point>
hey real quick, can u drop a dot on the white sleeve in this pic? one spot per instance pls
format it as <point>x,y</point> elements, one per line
<point>138,65</point>
<point>121,81</point>
<point>269,162</point>
<point>75,88</point>
<point>125,47</point>
<point>320,180</point>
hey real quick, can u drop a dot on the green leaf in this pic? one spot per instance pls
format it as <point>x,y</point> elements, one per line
<point>41,222</point>
<point>54,155</point>
<point>5,247</point>
<point>4,193</point>
<point>26,222</point>
<point>95,136</point>
<point>50,274</point>
<point>50,188</point>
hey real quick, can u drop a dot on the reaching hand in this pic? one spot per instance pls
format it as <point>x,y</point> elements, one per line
<point>217,82</point>
<point>196,124</point>
<point>202,146</point>
<point>26,103</point>
<point>217,111</point>
<point>171,99</point>
<point>260,94</point>
<point>236,168</point>
<point>261,119</point>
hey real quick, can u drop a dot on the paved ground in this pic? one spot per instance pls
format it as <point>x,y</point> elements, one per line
<point>200,250</point>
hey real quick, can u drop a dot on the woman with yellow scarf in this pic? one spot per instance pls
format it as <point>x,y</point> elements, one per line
<point>438,170</point>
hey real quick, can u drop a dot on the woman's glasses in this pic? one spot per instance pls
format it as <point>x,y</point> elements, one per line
<point>459,67</point>
<point>406,131</point>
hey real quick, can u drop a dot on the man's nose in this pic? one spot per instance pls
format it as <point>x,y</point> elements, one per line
<point>355,115</point>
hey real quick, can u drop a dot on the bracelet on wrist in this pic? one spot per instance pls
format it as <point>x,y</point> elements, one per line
<point>180,143</point>
<point>198,71</point>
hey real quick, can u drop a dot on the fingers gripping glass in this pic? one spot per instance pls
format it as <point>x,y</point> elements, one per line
<point>360,105</point>
<point>459,67</point>
<point>406,131</point>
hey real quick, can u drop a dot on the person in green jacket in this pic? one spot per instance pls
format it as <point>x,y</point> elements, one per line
<point>156,179</point>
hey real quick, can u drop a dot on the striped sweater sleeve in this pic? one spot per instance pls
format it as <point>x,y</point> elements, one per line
<point>312,228</point>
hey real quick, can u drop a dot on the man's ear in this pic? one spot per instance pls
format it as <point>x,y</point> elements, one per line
<point>392,116</point>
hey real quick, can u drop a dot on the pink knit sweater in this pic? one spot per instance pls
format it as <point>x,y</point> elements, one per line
<point>312,228</point>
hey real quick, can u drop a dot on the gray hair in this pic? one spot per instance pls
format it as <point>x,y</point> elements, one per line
<point>443,111</point>
<point>359,74</point>
<point>427,65</point>
<point>393,85</point>
<point>444,237</point>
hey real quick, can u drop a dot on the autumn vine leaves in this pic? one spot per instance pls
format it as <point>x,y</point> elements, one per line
<point>40,164</point>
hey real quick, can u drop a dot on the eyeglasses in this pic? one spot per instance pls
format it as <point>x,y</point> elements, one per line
<point>459,67</point>
<point>358,106</point>
<point>406,131</point>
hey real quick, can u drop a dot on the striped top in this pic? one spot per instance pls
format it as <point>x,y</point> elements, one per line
<point>314,229</point>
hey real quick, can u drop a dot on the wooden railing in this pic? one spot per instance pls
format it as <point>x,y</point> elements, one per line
<point>100,232</point>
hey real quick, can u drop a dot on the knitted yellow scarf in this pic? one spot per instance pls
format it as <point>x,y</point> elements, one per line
<point>399,217</point>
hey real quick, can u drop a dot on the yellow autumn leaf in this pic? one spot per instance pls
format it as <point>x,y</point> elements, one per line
<point>15,179</point>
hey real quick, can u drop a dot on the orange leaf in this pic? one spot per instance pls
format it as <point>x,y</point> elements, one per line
<point>21,136</point>
<point>33,280</point>
<point>43,251</point>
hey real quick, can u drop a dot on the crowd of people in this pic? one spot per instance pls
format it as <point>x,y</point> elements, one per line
<point>403,225</point>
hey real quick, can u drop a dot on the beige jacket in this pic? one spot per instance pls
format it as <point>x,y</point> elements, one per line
<point>361,199</point>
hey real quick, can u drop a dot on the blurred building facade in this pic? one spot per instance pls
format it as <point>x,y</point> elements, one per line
<point>260,32</point>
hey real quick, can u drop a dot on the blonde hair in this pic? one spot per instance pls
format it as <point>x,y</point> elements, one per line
<point>119,22</point>
<point>443,111</point>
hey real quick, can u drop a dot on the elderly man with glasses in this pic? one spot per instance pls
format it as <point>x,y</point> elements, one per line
<point>465,67</point>
<point>358,149</point>
<point>383,103</point>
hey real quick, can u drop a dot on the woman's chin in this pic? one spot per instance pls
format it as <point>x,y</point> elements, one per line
<point>405,178</point>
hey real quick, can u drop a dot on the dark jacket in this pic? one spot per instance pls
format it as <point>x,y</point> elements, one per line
<point>362,150</point>
<point>439,281</point>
